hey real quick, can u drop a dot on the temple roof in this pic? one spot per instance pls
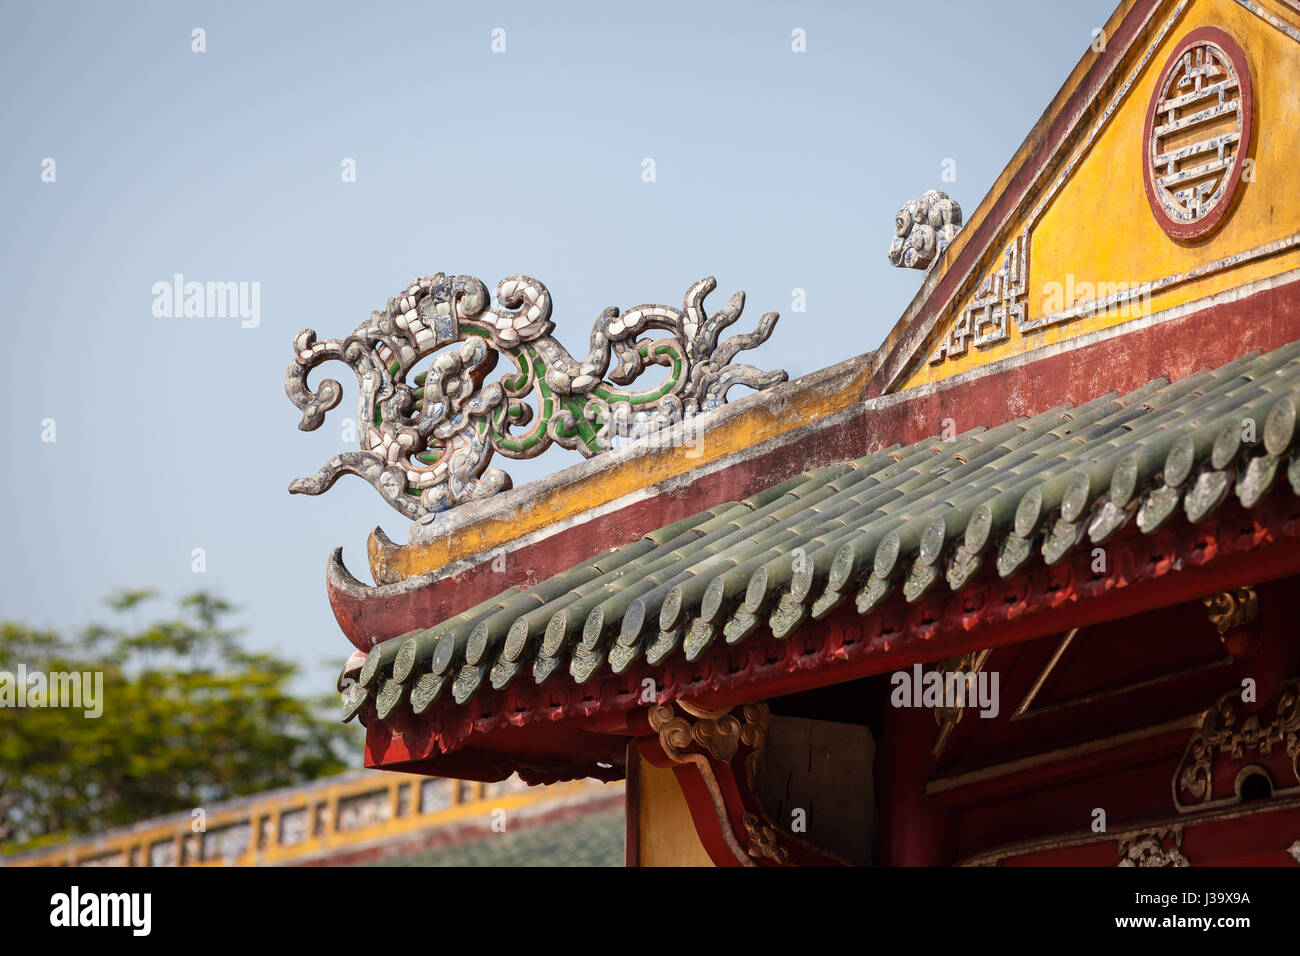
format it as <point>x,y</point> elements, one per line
<point>934,514</point>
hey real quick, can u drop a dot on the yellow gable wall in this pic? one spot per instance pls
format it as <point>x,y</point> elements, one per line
<point>1091,222</point>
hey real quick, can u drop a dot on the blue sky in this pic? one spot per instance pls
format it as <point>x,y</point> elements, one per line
<point>774,171</point>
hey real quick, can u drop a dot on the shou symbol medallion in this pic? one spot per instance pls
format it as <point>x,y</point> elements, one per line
<point>1197,133</point>
<point>429,423</point>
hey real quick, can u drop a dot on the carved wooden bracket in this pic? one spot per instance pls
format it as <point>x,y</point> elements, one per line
<point>713,755</point>
<point>1232,613</point>
<point>948,717</point>
<point>1229,609</point>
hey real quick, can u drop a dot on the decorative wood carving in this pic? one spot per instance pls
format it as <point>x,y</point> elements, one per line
<point>1229,609</point>
<point>714,753</point>
<point>1249,835</point>
<point>949,717</point>
<point>1230,746</point>
<point>1232,613</point>
<point>764,841</point>
<point>1160,848</point>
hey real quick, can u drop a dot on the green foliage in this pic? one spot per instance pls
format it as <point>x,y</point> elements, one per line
<point>189,717</point>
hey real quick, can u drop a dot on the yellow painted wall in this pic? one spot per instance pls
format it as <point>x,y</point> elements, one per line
<point>1099,226</point>
<point>664,827</point>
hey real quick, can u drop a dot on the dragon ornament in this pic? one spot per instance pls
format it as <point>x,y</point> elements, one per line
<point>429,421</point>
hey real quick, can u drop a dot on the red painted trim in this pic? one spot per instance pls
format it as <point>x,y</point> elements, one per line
<point>538,750</point>
<point>1253,839</point>
<point>1137,752</point>
<point>1203,227</point>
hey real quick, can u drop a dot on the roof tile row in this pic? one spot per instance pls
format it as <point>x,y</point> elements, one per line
<point>912,518</point>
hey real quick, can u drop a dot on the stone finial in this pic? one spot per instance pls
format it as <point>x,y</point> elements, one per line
<point>923,228</point>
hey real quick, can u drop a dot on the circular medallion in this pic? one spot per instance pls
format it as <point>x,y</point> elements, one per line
<point>1197,133</point>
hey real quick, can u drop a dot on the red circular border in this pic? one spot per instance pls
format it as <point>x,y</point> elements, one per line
<point>1202,227</point>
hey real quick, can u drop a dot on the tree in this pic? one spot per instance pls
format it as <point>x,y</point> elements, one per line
<point>189,717</point>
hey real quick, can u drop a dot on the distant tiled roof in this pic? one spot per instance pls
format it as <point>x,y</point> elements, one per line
<point>909,519</point>
<point>594,839</point>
